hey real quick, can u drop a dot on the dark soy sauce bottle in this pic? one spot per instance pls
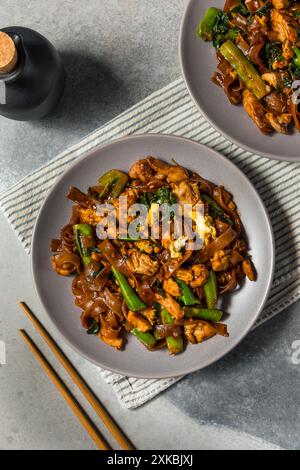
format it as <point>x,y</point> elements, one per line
<point>32,74</point>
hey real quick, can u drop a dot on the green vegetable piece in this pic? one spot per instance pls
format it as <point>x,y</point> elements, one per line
<point>220,29</point>
<point>147,339</point>
<point>217,211</point>
<point>205,29</point>
<point>211,290</point>
<point>188,297</point>
<point>233,33</point>
<point>244,68</point>
<point>166,317</point>
<point>128,239</point>
<point>240,8</point>
<point>203,313</point>
<point>175,345</point>
<point>161,196</point>
<point>112,183</point>
<point>85,242</point>
<point>265,10</point>
<point>94,328</point>
<point>133,302</point>
<point>297,56</point>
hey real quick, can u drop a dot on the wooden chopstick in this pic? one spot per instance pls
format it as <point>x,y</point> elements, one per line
<point>70,399</point>
<point>88,394</point>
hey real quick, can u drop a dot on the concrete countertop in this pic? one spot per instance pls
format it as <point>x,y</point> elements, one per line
<point>116,52</point>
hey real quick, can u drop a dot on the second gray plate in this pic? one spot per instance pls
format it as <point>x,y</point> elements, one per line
<point>55,293</point>
<point>198,62</point>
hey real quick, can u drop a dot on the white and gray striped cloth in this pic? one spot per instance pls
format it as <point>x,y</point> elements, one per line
<point>171,111</point>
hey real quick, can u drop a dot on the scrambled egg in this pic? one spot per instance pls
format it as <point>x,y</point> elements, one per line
<point>206,229</point>
<point>177,246</point>
<point>89,216</point>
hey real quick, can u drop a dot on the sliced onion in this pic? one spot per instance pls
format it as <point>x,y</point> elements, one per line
<point>67,238</point>
<point>66,264</point>
<point>163,331</point>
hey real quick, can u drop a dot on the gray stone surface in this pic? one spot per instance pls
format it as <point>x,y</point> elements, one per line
<point>116,53</point>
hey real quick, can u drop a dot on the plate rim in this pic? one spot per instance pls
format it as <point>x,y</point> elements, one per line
<point>193,95</point>
<point>119,141</point>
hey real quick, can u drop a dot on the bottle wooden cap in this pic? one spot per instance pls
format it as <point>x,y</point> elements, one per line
<point>8,54</point>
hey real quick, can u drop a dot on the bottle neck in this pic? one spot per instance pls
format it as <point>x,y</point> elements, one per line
<point>8,54</point>
<point>13,68</point>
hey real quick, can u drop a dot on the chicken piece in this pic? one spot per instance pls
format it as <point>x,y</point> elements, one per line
<point>170,305</point>
<point>200,272</point>
<point>176,174</point>
<point>287,50</point>
<point>132,196</point>
<point>220,261</point>
<point>173,173</point>
<point>185,193</point>
<point>150,314</point>
<point>142,263</point>
<point>137,321</point>
<point>271,79</point>
<point>248,269</point>
<point>141,170</point>
<point>113,342</point>
<point>186,275</point>
<point>198,331</point>
<point>189,329</point>
<point>171,287</point>
<point>279,64</point>
<point>280,123</point>
<point>89,216</point>
<point>256,111</point>
<point>203,331</point>
<point>166,243</point>
<point>145,245</point>
<point>281,4</point>
<point>281,24</point>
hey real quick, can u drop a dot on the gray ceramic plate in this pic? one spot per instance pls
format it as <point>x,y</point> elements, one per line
<point>198,62</point>
<point>55,291</point>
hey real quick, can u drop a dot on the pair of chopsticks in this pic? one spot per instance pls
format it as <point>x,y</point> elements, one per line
<point>107,420</point>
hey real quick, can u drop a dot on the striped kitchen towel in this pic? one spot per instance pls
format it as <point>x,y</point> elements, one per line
<point>171,111</point>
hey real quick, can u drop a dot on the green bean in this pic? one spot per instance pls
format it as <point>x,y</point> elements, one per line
<point>133,302</point>
<point>175,345</point>
<point>188,297</point>
<point>203,313</point>
<point>112,183</point>
<point>244,68</point>
<point>85,242</point>
<point>205,29</point>
<point>297,56</point>
<point>147,339</point>
<point>211,290</point>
